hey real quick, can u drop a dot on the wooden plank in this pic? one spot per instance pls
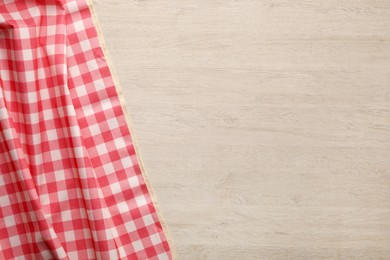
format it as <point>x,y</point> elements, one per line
<point>264,125</point>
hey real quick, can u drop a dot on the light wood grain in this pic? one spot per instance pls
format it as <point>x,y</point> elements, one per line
<point>264,125</point>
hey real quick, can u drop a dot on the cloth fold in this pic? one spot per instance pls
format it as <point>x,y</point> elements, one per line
<point>71,186</point>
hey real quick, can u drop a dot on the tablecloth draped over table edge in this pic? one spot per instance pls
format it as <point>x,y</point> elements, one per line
<point>147,194</point>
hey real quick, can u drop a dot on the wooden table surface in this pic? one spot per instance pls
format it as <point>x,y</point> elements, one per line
<point>264,125</point>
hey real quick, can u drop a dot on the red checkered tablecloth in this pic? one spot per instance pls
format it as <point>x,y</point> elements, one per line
<point>70,183</point>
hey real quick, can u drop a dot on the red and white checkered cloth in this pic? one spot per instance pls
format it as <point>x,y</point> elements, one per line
<point>70,183</point>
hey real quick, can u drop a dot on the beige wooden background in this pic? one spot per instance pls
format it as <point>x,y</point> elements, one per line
<point>264,125</point>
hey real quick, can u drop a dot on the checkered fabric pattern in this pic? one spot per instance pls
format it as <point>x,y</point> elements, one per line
<point>70,183</point>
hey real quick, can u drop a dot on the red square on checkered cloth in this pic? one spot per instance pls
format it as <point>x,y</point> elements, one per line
<point>70,182</point>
